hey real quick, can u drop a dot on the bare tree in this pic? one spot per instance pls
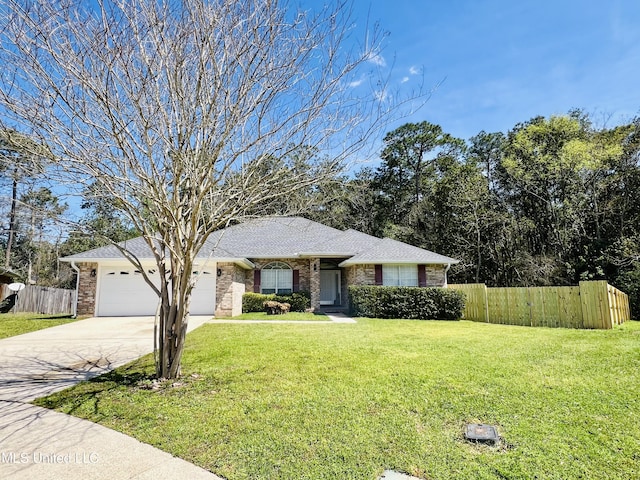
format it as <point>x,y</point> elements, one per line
<point>173,106</point>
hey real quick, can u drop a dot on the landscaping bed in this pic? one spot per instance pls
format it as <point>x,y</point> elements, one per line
<point>291,316</point>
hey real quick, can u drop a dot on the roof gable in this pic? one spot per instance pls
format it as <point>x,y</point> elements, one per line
<point>388,251</point>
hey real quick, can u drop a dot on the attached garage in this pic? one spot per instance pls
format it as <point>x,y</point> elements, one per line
<point>123,291</point>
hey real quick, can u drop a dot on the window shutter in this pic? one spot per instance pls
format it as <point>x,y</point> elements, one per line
<point>378,275</point>
<point>256,281</point>
<point>296,281</point>
<point>422,276</point>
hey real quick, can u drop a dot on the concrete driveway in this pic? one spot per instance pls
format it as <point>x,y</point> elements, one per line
<point>37,443</point>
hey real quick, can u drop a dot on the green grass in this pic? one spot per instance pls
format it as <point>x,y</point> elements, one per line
<point>345,401</point>
<point>12,324</point>
<point>291,316</point>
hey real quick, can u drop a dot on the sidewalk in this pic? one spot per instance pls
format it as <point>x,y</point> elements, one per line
<point>37,443</point>
<point>331,318</point>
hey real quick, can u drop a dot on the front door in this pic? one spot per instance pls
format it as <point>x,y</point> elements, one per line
<point>330,287</point>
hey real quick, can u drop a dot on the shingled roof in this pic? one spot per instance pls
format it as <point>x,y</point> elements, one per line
<point>287,237</point>
<point>387,250</point>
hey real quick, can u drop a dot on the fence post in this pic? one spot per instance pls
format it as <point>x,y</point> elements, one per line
<point>614,303</point>
<point>476,307</point>
<point>485,304</point>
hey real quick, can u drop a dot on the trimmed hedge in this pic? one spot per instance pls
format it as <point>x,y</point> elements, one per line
<point>254,302</point>
<point>406,302</point>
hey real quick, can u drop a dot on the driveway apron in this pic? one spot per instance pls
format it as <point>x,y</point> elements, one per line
<point>36,443</point>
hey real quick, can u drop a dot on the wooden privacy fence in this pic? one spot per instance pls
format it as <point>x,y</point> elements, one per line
<point>47,300</point>
<point>593,304</point>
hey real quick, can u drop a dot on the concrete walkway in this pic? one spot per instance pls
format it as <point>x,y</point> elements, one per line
<point>331,318</point>
<point>340,318</point>
<point>37,443</point>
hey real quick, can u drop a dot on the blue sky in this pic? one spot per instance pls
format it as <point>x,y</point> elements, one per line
<point>496,63</point>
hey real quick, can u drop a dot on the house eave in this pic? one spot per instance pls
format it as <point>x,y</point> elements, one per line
<point>349,262</point>
<point>10,274</point>
<point>326,255</point>
<point>292,256</point>
<point>242,262</point>
<point>93,260</point>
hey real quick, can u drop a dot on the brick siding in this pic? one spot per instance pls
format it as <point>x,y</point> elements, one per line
<point>230,286</point>
<point>436,275</point>
<point>309,278</point>
<point>87,289</point>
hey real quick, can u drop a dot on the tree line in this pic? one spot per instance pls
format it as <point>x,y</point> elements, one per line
<point>552,202</point>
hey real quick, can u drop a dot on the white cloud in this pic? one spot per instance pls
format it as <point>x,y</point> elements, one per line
<point>377,59</point>
<point>381,95</point>
<point>413,70</point>
<point>404,80</point>
<point>356,83</point>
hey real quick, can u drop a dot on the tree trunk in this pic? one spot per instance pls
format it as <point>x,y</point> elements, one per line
<point>12,218</point>
<point>478,251</point>
<point>175,295</point>
<point>171,346</point>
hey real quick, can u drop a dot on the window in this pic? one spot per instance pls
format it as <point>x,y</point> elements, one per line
<point>277,278</point>
<point>400,275</point>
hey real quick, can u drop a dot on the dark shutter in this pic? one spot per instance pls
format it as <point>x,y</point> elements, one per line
<point>256,281</point>
<point>422,276</point>
<point>378,276</point>
<point>296,280</point>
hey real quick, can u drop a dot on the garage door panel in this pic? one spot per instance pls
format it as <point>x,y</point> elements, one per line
<point>203,297</point>
<point>123,292</point>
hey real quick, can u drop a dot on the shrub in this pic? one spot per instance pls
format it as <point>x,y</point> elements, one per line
<point>299,301</point>
<point>253,302</point>
<point>276,308</point>
<point>406,302</point>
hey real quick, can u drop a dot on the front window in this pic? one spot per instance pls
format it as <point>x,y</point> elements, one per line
<point>400,275</point>
<point>277,278</point>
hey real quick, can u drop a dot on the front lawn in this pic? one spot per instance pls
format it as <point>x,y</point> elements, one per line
<point>18,323</point>
<point>346,401</point>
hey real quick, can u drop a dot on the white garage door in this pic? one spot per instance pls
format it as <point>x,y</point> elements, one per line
<point>124,292</point>
<point>203,298</point>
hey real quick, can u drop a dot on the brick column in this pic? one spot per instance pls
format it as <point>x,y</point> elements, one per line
<point>86,302</point>
<point>314,283</point>
<point>230,286</point>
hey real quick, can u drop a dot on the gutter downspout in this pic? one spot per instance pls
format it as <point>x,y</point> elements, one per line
<point>445,274</point>
<point>75,303</point>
